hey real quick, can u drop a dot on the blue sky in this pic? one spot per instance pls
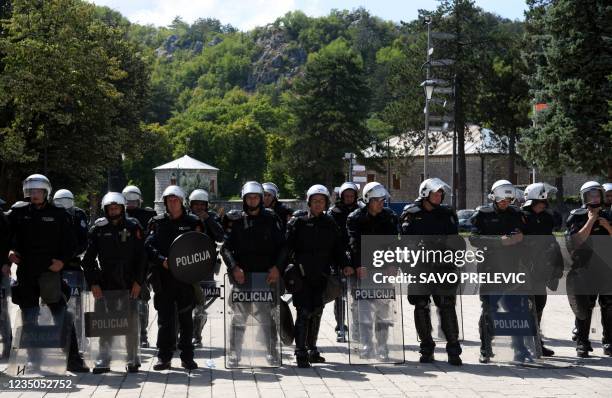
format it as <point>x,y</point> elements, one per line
<point>246,14</point>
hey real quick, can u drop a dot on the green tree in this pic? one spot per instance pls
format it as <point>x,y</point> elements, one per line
<point>75,87</point>
<point>330,103</point>
<point>572,61</point>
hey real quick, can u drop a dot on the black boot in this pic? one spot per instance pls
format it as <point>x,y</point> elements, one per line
<point>382,341</point>
<point>162,364</point>
<point>75,359</point>
<point>236,339</point>
<point>422,323</point>
<point>199,321</point>
<point>273,355</point>
<point>301,357</point>
<point>606,321</point>
<point>484,329</point>
<point>366,340</point>
<point>314,323</point>
<point>583,345</point>
<point>546,352</point>
<point>450,327</point>
<point>302,323</point>
<point>77,365</point>
<point>189,364</point>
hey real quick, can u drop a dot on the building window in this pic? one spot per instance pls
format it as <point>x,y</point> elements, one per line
<point>212,186</point>
<point>371,177</point>
<point>397,185</point>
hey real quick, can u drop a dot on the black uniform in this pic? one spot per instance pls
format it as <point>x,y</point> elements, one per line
<point>214,230</point>
<point>340,212</point>
<point>489,225</point>
<point>437,230</point>
<point>212,226</point>
<point>5,327</point>
<point>40,235</point>
<point>593,271</point>
<point>359,224</point>
<point>543,254</point>
<point>80,225</point>
<point>283,212</point>
<point>143,215</point>
<point>115,256</point>
<point>169,291</point>
<point>114,260</point>
<point>315,245</point>
<point>255,244</point>
<point>72,271</point>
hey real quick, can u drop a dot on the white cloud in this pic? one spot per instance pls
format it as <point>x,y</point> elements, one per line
<point>244,14</point>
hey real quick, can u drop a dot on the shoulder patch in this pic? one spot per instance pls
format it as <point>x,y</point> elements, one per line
<point>356,213</point>
<point>485,209</point>
<point>389,211</point>
<point>159,217</point>
<point>299,213</point>
<point>579,211</point>
<point>20,204</point>
<point>132,221</point>
<point>100,222</point>
<point>334,209</point>
<point>412,208</point>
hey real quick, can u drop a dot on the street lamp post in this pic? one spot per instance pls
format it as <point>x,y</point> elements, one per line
<point>428,85</point>
<point>428,92</point>
<point>349,156</point>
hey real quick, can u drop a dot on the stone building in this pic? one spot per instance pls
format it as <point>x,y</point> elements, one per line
<point>486,158</point>
<point>189,174</point>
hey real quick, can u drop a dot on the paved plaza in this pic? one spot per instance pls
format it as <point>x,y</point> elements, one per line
<point>336,378</point>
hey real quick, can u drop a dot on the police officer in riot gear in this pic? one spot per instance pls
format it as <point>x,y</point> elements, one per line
<point>255,244</point>
<point>115,260</point>
<point>65,199</point>
<point>228,219</point>
<point>498,226</point>
<point>589,220</point>
<point>608,195</point>
<point>134,209</point>
<point>346,203</point>
<point>5,275</point>
<point>544,253</point>
<point>270,201</point>
<point>428,218</point>
<point>171,295</point>
<point>315,244</point>
<point>372,219</point>
<point>198,205</point>
<point>42,242</point>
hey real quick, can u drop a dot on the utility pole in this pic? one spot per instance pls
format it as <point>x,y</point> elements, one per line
<point>428,75</point>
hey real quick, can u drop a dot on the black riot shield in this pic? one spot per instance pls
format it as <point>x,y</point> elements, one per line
<point>192,257</point>
<point>112,330</point>
<point>40,343</point>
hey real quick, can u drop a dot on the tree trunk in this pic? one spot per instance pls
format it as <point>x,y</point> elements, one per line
<point>511,156</point>
<point>460,131</point>
<point>559,185</point>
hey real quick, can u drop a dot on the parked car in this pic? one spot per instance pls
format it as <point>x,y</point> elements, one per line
<point>464,219</point>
